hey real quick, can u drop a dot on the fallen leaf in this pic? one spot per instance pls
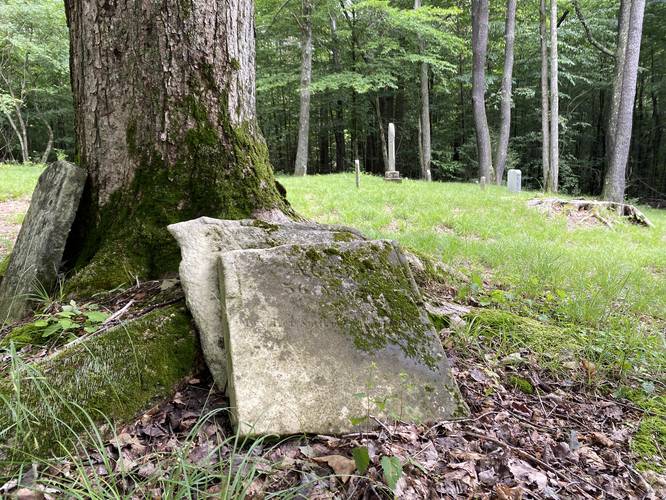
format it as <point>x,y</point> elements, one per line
<point>342,466</point>
<point>505,492</point>
<point>602,439</point>
<point>522,471</point>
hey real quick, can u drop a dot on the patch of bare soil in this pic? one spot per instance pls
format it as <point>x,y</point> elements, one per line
<point>9,228</point>
<point>589,213</point>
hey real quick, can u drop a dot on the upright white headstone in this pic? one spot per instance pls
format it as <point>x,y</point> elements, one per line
<point>514,182</point>
<point>482,183</point>
<point>429,176</point>
<point>357,164</point>
<point>391,147</point>
<point>391,174</point>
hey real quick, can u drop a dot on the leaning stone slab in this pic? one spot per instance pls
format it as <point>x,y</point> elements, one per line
<point>202,240</point>
<point>320,336</point>
<point>38,251</point>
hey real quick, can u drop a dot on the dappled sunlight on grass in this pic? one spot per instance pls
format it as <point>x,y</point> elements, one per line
<point>18,181</point>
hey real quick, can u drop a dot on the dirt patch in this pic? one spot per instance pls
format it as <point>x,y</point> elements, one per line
<point>9,225</point>
<point>590,213</point>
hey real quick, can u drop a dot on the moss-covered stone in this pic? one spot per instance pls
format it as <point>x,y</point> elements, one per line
<point>112,375</point>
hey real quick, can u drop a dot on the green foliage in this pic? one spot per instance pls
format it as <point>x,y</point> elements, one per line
<point>362,459</point>
<point>392,470</point>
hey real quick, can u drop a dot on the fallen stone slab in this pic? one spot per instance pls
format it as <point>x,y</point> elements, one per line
<point>321,336</point>
<point>37,255</point>
<point>202,240</point>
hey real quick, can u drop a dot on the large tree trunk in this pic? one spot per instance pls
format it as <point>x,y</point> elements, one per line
<point>479,50</point>
<point>507,80</point>
<point>554,103</point>
<point>164,99</point>
<point>615,181</point>
<point>301,167</point>
<point>425,146</point>
<point>545,106</point>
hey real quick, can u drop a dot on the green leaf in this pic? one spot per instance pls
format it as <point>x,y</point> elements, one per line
<point>68,324</point>
<point>41,323</point>
<point>392,469</point>
<point>52,330</point>
<point>96,316</point>
<point>362,459</point>
<point>358,420</point>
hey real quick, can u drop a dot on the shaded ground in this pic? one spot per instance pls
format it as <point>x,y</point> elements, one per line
<point>11,216</point>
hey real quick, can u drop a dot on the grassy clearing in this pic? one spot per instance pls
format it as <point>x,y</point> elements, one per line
<point>18,181</point>
<point>589,275</point>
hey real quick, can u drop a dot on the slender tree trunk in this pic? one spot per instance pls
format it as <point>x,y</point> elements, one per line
<point>545,95</point>
<point>301,167</point>
<point>49,144</point>
<point>479,50</point>
<point>554,103</point>
<point>425,146</point>
<point>165,111</point>
<point>624,19</point>
<point>615,181</point>
<point>339,108</point>
<point>382,133</point>
<point>507,80</point>
<point>21,135</point>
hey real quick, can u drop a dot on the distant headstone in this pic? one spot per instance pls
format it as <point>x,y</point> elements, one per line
<point>514,181</point>
<point>391,173</point>
<point>428,175</point>
<point>482,183</point>
<point>357,165</point>
<point>201,242</point>
<point>38,252</point>
<point>319,336</point>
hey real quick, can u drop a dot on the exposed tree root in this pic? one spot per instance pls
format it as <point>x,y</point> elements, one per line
<point>595,208</point>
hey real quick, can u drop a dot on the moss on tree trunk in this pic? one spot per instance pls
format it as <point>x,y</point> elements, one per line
<point>166,127</point>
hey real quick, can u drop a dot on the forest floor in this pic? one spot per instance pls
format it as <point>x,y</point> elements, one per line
<point>560,354</point>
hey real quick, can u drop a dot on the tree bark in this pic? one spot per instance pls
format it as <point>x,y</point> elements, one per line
<point>340,145</point>
<point>382,134</point>
<point>425,146</point>
<point>545,95</point>
<point>479,49</point>
<point>301,166</point>
<point>165,111</point>
<point>624,20</point>
<point>49,144</point>
<point>554,157</point>
<point>615,181</point>
<point>507,80</point>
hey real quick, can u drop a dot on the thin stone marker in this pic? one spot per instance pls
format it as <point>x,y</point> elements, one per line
<point>514,181</point>
<point>357,164</point>
<point>391,147</point>
<point>482,183</point>
<point>391,174</point>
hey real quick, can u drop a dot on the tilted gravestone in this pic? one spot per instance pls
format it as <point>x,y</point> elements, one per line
<point>514,181</point>
<point>38,252</point>
<point>321,336</point>
<point>202,240</point>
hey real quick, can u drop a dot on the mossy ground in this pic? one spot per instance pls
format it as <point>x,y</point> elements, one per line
<point>112,375</point>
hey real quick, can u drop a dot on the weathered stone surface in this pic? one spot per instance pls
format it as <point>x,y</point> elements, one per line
<point>202,240</point>
<point>319,336</point>
<point>38,251</point>
<point>514,181</point>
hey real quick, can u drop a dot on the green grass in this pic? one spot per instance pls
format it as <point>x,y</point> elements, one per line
<point>592,276</point>
<point>18,181</point>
